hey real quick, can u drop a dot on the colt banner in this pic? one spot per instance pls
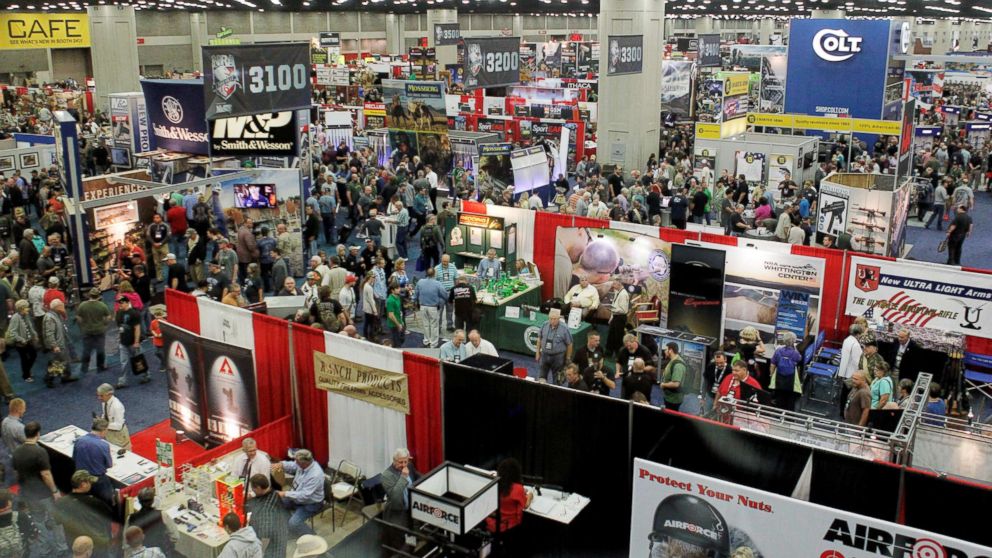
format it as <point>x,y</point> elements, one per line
<point>252,79</point>
<point>492,62</point>
<point>947,299</point>
<point>678,513</point>
<point>372,385</point>
<point>27,30</point>
<point>626,55</point>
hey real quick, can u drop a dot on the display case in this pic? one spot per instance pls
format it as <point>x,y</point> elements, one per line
<point>470,236</point>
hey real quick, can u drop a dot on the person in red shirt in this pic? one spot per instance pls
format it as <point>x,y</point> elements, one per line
<point>731,384</point>
<point>513,500</point>
<point>176,217</point>
<point>158,311</point>
<point>53,293</point>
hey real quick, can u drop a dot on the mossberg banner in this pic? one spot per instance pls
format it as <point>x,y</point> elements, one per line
<point>492,61</point>
<point>481,221</point>
<point>254,79</point>
<point>19,31</point>
<point>626,55</point>
<point>372,385</point>
<point>270,134</point>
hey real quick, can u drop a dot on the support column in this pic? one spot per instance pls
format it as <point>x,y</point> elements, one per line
<point>114,51</point>
<point>765,30</point>
<point>705,25</point>
<point>394,34</point>
<point>198,37</point>
<point>628,119</point>
<point>445,54</point>
<point>518,26</point>
<point>827,14</point>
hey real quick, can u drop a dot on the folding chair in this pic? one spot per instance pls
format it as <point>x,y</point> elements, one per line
<point>373,496</point>
<point>345,487</point>
<point>327,503</point>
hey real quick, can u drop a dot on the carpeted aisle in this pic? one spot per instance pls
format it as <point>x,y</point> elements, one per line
<point>977,251</point>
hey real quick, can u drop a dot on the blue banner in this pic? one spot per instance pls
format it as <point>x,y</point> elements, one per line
<point>826,56</point>
<point>176,115</point>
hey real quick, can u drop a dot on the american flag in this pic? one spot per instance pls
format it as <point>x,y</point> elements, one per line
<point>895,314</point>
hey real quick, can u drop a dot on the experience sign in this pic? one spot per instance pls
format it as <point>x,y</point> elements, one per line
<point>492,62</point>
<point>19,31</point>
<point>252,79</point>
<point>626,55</point>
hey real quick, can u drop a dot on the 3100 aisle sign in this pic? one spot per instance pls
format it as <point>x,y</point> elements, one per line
<point>284,77</point>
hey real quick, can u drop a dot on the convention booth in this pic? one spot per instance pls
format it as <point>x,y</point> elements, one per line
<point>26,159</point>
<point>764,159</point>
<point>872,208</point>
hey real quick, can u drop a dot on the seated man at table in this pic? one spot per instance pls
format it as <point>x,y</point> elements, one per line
<point>454,349</point>
<point>583,296</point>
<point>490,267</point>
<point>92,453</point>
<point>396,482</point>
<point>639,380</point>
<point>307,495</point>
<point>251,461</point>
<point>476,344</point>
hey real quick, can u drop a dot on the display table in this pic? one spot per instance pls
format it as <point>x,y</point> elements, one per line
<point>557,505</point>
<point>196,535</point>
<point>128,470</point>
<point>760,233</point>
<point>493,308</point>
<point>520,335</point>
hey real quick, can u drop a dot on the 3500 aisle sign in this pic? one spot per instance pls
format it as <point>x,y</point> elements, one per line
<point>502,61</point>
<point>273,78</point>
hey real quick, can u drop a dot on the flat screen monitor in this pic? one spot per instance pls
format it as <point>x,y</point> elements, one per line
<point>120,157</point>
<point>254,195</point>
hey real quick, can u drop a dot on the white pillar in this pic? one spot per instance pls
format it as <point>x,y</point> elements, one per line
<point>198,37</point>
<point>447,54</point>
<point>114,51</point>
<point>394,34</point>
<point>625,117</point>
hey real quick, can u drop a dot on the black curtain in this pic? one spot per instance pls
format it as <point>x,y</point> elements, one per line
<point>949,507</point>
<point>575,440</point>
<point>717,450</point>
<point>837,477</point>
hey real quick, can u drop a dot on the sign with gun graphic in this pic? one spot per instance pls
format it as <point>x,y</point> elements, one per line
<point>832,209</point>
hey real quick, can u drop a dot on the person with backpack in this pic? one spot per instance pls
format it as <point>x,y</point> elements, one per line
<point>431,243</point>
<point>786,380</point>
<point>328,312</point>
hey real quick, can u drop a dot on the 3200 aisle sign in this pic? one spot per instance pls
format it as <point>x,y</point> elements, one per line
<point>502,61</point>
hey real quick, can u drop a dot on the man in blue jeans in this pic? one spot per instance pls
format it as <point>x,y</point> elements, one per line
<point>307,496</point>
<point>402,228</point>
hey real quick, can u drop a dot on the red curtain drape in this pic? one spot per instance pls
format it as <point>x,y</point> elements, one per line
<point>274,439</point>
<point>677,236</point>
<point>718,239</point>
<point>272,367</point>
<point>469,206</point>
<point>423,424</point>
<point>183,310</point>
<point>311,410</point>
<point>545,227</point>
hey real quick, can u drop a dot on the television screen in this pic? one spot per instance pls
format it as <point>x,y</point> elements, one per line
<point>120,156</point>
<point>254,195</point>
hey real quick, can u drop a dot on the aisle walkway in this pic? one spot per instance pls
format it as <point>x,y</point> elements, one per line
<point>977,251</point>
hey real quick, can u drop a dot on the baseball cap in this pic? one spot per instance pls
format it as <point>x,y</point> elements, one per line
<point>350,278</point>
<point>169,256</point>
<point>81,476</point>
<point>53,280</point>
<point>95,292</point>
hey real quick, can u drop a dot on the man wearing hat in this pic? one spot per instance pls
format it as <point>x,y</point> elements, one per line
<point>176,272</point>
<point>310,288</point>
<point>93,317</point>
<point>53,292</point>
<point>346,296</point>
<point>218,280</point>
<point>82,514</point>
<point>129,331</point>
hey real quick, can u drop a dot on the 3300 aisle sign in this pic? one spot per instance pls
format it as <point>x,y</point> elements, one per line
<point>502,61</point>
<point>281,77</point>
<point>631,54</point>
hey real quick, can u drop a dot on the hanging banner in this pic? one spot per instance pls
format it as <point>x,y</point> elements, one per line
<point>695,302</point>
<point>184,372</point>
<point>417,121</point>
<point>330,40</point>
<point>626,55</point>
<point>586,58</point>
<point>175,113</point>
<point>447,34</point>
<point>495,168</point>
<point>232,407</point>
<point>372,385</point>
<point>375,115</point>
<point>709,51</point>
<point>947,299</point>
<point>676,87</point>
<point>771,97</point>
<point>492,62</point>
<point>270,134</point>
<point>678,513</point>
<point>30,30</point>
<point>243,80</point>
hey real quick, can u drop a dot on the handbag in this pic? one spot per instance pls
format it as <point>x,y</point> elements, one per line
<point>139,366</point>
<point>942,245</point>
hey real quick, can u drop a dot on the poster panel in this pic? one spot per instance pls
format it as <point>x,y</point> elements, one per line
<point>695,301</point>
<point>771,97</point>
<point>626,55</point>
<point>418,121</point>
<point>230,385</point>
<point>20,30</point>
<point>709,51</point>
<point>946,300</point>
<point>641,262</point>
<point>779,169</point>
<point>587,58</point>
<point>244,79</point>
<point>703,165</point>
<point>751,165</point>
<point>184,371</point>
<point>494,164</point>
<point>447,34</point>
<point>709,101</point>
<point>493,61</point>
<point>547,57</point>
<point>753,287</point>
<point>120,119</point>
<point>676,87</point>
<point>175,113</point>
<point>832,210</point>
<point>372,385</point>
<point>676,513</point>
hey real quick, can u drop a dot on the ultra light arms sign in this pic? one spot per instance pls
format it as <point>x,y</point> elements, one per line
<point>23,31</point>
<point>372,385</point>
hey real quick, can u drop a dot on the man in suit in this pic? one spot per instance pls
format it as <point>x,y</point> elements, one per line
<point>712,376</point>
<point>903,357</point>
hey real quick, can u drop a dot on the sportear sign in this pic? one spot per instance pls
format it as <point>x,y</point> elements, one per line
<point>678,513</point>
<point>253,79</point>
<point>942,298</point>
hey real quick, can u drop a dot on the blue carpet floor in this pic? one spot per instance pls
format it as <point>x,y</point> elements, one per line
<point>977,251</point>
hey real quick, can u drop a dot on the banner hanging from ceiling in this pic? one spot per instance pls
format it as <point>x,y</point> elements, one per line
<point>27,30</point>
<point>447,34</point>
<point>269,134</point>
<point>709,51</point>
<point>492,62</point>
<point>252,79</point>
<point>626,55</point>
<point>175,114</point>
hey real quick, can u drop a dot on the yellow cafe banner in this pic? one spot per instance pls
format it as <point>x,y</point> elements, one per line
<point>372,385</point>
<point>26,30</point>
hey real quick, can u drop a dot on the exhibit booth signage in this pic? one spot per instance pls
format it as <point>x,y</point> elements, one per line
<point>29,30</point>
<point>372,385</point>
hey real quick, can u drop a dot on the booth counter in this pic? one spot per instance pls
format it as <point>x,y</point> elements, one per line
<point>521,335</point>
<point>128,469</point>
